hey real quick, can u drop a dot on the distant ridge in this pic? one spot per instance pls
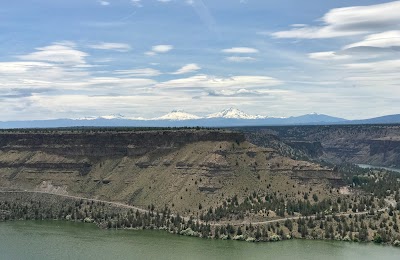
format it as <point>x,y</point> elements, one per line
<point>389,119</point>
<point>231,117</point>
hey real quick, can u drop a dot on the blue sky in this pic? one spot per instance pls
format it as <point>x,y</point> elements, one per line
<point>71,59</point>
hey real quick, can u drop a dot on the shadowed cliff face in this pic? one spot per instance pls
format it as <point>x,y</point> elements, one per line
<point>177,168</point>
<point>98,144</point>
<point>364,144</point>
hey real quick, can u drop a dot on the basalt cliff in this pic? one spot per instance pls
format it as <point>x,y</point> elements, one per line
<point>178,168</point>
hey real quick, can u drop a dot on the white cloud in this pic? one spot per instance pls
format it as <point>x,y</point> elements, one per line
<point>206,81</point>
<point>380,40</point>
<point>349,21</point>
<point>112,82</point>
<point>63,68</point>
<point>162,48</point>
<point>156,49</point>
<point>21,67</point>
<point>240,50</point>
<point>239,93</point>
<point>379,66</point>
<point>57,53</point>
<point>104,3</point>
<point>114,46</point>
<point>240,59</point>
<point>188,68</point>
<point>164,1</point>
<point>54,89</point>
<point>328,55</point>
<point>38,74</point>
<point>146,72</point>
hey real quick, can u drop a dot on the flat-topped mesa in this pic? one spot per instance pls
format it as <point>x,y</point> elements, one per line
<point>181,168</point>
<point>110,143</point>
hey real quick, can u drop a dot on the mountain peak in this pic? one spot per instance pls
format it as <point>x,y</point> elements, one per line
<point>113,116</point>
<point>177,115</point>
<point>234,113</point>
<point>108,117</point>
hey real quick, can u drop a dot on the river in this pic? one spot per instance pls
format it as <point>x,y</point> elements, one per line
<point>366,166</point>
<point>67,240</point>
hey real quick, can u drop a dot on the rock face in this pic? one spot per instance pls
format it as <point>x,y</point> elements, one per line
<point>98,144</point>
<point>363,144</point>
<point>181,168</point>
<point>313,149</point>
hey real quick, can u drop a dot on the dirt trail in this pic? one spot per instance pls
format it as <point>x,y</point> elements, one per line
<point>118,204</point>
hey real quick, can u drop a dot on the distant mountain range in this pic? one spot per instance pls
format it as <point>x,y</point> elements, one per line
<point>231,117</point>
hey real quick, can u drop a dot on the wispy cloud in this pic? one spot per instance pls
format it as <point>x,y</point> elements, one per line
<point>328,55</point>
<point>162,48</point>
<point>57,53</point>
<point>240,50</point>
<point>64,79</point>
<point>207,81</point>
<point>104,3</point>
<point>204,14</point>
<point>238,93</point>
<point>188,68</point>
<point>159,49</point>
<point>349,21</point>
<point>380,40</point>
<point>240,59</point>
<point>114,46</point>
<point>146,72</point>
<point>137,3</point>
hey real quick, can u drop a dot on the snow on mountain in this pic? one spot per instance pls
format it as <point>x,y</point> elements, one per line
<point>87,118</point>
<point>114,116</point>
<point>108,117</point>
<point>234,113</point>
<point>178,115</point>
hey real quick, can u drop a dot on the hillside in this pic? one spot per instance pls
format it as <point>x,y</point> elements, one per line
<point>180,169</point>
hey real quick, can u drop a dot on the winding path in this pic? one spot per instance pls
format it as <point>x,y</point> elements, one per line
<point>295,218</point>
<point>118,204</point>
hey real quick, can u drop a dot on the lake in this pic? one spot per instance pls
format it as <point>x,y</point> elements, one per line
<point>68,240</point>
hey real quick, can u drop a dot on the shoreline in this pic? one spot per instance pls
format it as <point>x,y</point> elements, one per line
<point>185,226</point>
<point>165,230</point>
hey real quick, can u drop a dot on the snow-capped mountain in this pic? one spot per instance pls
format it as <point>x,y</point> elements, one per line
<point>113,116</point>
<point>108,117</point>
<point>234,113</point>
<point>88,118</point>
<point>231,117</point>
<point>177,115</point>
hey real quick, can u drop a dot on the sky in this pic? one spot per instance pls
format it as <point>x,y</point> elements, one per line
<point>145,58</point>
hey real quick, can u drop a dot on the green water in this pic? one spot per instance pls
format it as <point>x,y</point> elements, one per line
<point>66,240</point>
